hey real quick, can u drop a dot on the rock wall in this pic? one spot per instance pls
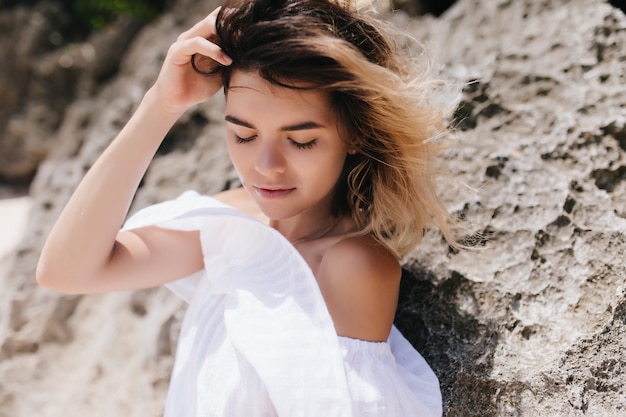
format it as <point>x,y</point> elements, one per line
<point>530,323</point>
<point>45,67</point>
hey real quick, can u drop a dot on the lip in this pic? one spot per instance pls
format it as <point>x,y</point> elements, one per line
<point>273,192</point>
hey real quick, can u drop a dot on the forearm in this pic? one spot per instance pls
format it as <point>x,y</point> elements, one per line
<point>84,236</point>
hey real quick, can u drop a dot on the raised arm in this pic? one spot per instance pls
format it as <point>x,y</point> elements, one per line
<point>85,252</point>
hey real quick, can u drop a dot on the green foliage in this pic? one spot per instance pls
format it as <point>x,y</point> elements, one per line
<point>96,14</point>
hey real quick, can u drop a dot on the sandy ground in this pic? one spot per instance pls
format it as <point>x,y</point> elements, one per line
<point>14,213</point>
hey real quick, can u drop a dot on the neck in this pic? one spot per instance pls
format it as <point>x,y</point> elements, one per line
<point>301,229</point>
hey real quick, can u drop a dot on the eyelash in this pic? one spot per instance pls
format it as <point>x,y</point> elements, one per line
<point>306,145</point>
<point>239,139</point>
<point>298,145</point>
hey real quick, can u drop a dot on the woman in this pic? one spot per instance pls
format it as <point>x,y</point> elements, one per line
<point>292,279</point>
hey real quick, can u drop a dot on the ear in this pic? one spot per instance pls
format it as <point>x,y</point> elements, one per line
<point>354,146</point>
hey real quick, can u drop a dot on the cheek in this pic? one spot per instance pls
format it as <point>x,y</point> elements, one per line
<point>338,159</point>
<point>328,169</point>
<point>237,158</point>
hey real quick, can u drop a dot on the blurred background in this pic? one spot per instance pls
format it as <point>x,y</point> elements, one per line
<point>531,323</point>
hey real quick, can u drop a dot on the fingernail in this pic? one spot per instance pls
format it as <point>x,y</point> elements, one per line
<point>226,60</point>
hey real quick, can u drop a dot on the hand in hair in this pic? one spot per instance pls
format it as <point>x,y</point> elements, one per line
<point>85,251</point>
<point>178,85</point>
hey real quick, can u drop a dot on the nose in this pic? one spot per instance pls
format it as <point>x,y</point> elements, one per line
<point>270,159</point>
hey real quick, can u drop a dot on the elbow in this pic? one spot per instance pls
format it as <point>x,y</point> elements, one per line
<point>47,278</point>
<point>42,275</point>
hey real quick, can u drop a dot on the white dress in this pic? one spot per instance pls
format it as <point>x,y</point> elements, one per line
<point>257,339</point>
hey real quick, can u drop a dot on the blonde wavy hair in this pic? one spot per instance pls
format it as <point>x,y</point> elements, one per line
<point>384,108</point>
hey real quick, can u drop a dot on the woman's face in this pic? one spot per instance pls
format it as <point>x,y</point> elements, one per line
<point>284,144</point>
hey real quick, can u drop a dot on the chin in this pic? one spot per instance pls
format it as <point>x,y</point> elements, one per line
<point>277,210</point>
<point>275,213</point>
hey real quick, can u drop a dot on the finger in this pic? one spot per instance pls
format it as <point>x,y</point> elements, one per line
<point>204,28</point>
<point>183,51</point>
<point>204,65</point>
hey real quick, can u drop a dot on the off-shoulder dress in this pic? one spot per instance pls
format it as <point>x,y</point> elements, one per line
<point>257,339</point>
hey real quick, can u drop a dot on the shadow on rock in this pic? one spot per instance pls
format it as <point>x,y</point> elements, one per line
<point>459,347</point>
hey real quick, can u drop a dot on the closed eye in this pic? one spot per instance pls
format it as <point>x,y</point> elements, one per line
<point>305,145</point>
<point>239,139</point>
<point>299,145</point>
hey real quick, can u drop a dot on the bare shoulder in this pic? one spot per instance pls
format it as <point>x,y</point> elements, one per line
<point>364,249</point>
<point>360,281</point>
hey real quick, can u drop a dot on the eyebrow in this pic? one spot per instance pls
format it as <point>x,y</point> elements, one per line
<point>291,128</point>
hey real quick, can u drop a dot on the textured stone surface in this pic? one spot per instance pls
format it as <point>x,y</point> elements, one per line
<point>41,72</point>
<point>531,323</point>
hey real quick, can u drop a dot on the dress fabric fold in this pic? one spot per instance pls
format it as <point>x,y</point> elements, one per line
<point>257,338</point>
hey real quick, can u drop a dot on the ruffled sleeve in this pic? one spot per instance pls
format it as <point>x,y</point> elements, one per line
<point>174,213</point>
<point>259,295</point>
